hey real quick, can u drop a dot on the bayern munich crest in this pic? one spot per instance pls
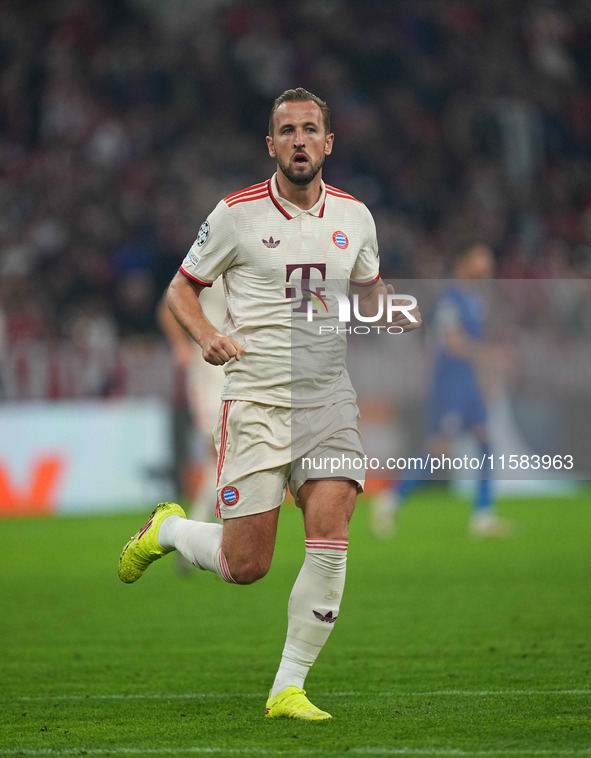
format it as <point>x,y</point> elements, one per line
<point>229,495</point>
<point>340,239</point>
<point>203,233</point>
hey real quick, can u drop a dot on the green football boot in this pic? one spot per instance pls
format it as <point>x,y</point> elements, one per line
<point>292,703</point>
<point>143,548</point>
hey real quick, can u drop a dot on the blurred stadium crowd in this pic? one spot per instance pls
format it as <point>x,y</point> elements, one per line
<point>122,124</point>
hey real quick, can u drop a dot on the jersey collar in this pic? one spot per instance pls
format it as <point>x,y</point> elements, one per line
<point>289,210</point>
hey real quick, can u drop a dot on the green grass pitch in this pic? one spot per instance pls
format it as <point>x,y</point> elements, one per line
<point>444,647</point>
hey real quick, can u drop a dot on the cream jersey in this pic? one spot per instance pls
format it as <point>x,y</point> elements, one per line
<point>274,257</point>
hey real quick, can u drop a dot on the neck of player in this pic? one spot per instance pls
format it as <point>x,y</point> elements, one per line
<point>305,196</point>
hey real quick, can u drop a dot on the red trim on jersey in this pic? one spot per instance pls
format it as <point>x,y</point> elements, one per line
<point>194,278</point>
<point>248,190</point>
<point>222,453</point>
<point>277,205</point>
<point>335,189</point>
<point>340,192</point>
<point>342,195</point>
<point>246,199</point>
<point>365,284</point>
<point>321,214</point>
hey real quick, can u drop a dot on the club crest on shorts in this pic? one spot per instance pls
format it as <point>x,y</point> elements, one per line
<point>341,240</point>
<point>229,495</point>
<point>203,233</point>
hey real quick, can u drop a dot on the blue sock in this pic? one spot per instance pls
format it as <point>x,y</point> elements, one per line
<point>483,500</point>
<point>419,477</point>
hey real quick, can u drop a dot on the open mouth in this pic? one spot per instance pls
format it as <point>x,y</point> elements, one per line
<point>300,159</point>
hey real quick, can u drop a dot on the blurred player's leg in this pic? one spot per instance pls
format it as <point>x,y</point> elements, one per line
<point>203,506</point>
<point>484,521</point>
<point>386,506</point>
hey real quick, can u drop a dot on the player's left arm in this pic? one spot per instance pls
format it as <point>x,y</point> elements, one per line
<point>372,293</point>
<point>407,315</point>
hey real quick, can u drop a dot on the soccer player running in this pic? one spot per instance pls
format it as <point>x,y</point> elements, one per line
<point>456,402</point>
<point>273,243</point>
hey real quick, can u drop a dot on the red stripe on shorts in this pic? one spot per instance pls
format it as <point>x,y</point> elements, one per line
<point>222,453</point>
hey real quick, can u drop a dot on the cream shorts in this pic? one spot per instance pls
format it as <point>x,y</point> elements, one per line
<point>262,448</point>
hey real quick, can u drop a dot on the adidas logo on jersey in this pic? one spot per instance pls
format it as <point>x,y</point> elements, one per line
<point>271,242</point>
<point>329,618</point>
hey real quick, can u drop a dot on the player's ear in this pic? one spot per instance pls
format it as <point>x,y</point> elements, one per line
<point>328,144</point>
<point>271,147</point>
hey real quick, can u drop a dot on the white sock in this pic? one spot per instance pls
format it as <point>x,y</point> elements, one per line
<point>199,543</point>
<point>313,608</point>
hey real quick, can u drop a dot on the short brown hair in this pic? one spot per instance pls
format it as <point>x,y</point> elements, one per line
<point>300,95</point>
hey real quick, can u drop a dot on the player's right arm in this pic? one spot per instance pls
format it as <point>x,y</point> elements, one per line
<point>183,348</point>
<point>183,300</point>
<point>212,253</point>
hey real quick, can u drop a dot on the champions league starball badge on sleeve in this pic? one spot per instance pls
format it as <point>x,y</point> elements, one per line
<point>203,233</point>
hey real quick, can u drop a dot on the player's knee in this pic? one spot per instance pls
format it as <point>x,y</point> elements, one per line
<point>333,526</point>
<point>248,571</point>
<point>248,575</point>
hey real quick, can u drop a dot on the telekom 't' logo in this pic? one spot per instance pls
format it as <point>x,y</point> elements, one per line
<point>306,269</point>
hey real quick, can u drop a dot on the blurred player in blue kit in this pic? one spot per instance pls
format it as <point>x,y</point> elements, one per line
<point>456,403</point>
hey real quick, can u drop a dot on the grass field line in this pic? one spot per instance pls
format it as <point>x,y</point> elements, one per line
<point>243,695</point>
<point>368,750</point>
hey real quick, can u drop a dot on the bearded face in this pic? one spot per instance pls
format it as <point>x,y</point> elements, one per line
<point>299,143</point>
<point>298,171</point>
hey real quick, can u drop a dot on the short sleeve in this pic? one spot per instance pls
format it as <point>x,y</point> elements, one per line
<point>366,268</point>
<point>214,250</point>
